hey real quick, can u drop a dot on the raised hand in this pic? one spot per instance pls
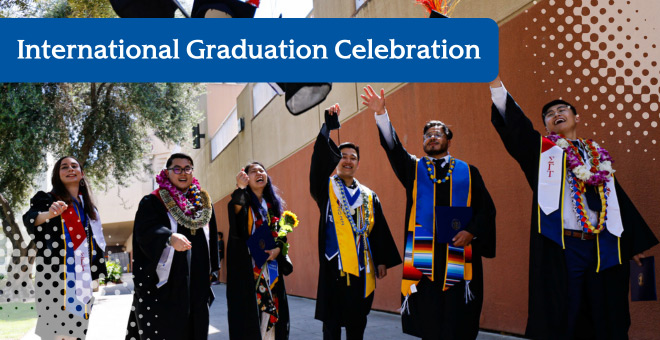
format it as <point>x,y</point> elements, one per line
<point>334,109</point>
<point>242,179</point>
<point>496,83</point>
<point>373,101</point>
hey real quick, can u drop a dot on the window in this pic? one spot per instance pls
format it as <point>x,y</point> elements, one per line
<point>262,94</point>
<point>226,133</point>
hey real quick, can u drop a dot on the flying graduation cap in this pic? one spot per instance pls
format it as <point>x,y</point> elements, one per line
<point>436,14</point>
<point>300,97</point>
<point>166,8</point>
<point>147,8</point>
<point>439,8</point>
<point>233,8</point>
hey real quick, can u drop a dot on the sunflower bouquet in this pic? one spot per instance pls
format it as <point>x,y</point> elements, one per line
<point>285,225</point>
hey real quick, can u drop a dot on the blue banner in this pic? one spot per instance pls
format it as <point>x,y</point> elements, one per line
<point>248,50</point>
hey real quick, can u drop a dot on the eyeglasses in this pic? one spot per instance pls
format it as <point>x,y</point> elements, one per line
<point>434,134</point>
<point>178,170</point>
<point>564,109</point>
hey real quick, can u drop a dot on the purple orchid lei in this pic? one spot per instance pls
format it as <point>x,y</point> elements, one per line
<point>596,173</point>
<point>187,201</point>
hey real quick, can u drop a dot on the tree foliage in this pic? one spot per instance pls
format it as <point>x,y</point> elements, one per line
<point>56,9</point>
<point>106,126</point>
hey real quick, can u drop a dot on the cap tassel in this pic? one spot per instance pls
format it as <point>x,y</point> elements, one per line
<point>405,307</point>
<point>468,293</point>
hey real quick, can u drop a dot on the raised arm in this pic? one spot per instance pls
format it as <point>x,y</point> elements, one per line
<point>517,132</point>
<point>325,158</point>
<point>402,162</point>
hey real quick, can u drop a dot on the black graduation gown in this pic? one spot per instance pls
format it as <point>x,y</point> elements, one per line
<point>435,314</point>
<point>180,308</point>
<point>50,272</point>
<point>333,303</point>
<point>547,270</point>
<point>242,308</point>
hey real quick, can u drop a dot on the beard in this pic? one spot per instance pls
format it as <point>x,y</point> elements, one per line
<point>429,150</point>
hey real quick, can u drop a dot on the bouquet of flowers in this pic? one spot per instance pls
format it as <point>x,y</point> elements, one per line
<point>282,227</point>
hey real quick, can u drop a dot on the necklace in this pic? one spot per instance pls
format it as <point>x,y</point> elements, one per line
<point>430,168</point>
<point>363,213</point>
<point>577,189</point>
<point>595,172</point>
<point>201,217</point>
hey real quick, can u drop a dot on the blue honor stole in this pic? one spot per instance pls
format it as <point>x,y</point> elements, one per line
<point>420,234</point>
<point>552,177</point>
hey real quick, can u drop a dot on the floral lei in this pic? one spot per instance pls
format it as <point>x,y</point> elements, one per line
<point>597,174</point>
<point>600,168</point>
<point>191,209</point>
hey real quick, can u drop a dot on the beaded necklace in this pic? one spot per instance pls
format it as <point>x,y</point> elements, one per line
<point>577,189</point>
<point>431,169</point>
<point>363,213</point>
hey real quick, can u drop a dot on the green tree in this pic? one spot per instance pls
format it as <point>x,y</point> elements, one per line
<point>56,9</point>
<point>106,126</point>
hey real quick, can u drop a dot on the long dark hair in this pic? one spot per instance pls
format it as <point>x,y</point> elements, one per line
<point>271,192</point>
<point>60,192</point>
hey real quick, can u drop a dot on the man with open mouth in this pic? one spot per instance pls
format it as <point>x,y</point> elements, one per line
<point>584,228</point>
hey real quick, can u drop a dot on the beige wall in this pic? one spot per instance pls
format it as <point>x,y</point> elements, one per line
<point>220,100</point>
<point>282,141</point>
<point>118,205</point>
<point>273,135</point>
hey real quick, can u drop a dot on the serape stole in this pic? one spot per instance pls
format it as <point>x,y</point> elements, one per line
<point>420,234</point>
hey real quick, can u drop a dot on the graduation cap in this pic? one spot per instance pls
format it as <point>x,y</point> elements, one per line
<point>147,8</point>
<point>436,14</point>
<point>233,8</point>
<point>300,97</point>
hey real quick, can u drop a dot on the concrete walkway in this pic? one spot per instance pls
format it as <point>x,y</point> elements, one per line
<point>112,305</point>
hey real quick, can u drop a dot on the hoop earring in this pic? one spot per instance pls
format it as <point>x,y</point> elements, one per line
<point>82,182</point>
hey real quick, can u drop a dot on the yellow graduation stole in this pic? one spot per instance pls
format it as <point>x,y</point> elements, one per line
<point>348,241</point>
